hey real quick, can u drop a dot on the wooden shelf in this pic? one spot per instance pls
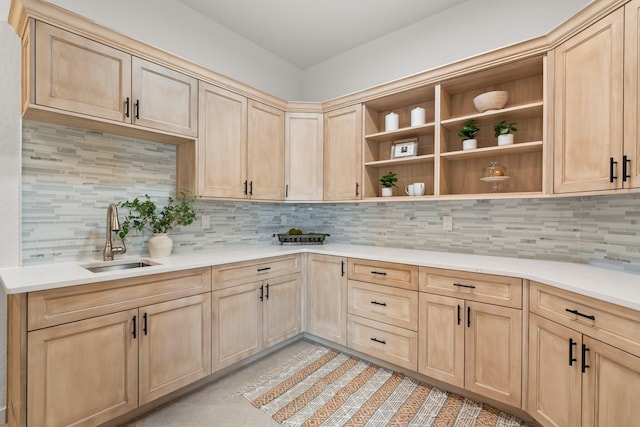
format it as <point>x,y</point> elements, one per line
<point>402,161</point>
<point>514,113</point>
<point>520,148</point>
<point>396,198</point>
<point>426,129</point>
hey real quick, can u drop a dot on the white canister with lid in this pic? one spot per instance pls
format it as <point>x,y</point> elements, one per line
<point>391,122</point>
<point>417,116</point>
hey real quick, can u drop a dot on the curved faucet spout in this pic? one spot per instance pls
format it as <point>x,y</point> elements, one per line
<point>113,224</point>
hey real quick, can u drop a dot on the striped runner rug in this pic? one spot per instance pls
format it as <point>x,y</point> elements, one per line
<point>323,387</point>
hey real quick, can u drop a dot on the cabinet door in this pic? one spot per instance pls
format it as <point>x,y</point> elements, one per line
<point>493,352</point>
<point>265,152</point>
<point>163,99</point>
<point>79,75</point>
<point>343,154</point>
<point>303,156</point>
<point>237,324</point>
<point>222,143</point>
<point>83,373</point>
<point>632,93</point>
<point>281,309</point>
<point>327,297</point>
<point>609,386</point>
<point>441,338</point>
<point>175,345</point>
<point>554,373</point>
<point>589,107</point>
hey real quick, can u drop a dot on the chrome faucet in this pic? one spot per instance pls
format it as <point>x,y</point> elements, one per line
<point>113,224</point>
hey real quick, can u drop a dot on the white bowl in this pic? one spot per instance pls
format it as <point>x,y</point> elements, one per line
<point>491,100</point>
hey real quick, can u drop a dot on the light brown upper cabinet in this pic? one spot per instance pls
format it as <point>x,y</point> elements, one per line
<point>81,76</point>
<point>241,147</point>
<point>303,156</point>
<point>595,129</point>
<point>343,153</point>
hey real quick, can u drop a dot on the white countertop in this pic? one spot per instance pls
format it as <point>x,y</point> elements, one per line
<point>608,285</point>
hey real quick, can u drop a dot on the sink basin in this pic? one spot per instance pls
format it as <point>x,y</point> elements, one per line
<point>118,265</point>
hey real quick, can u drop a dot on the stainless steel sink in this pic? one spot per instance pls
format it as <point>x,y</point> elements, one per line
<point>118,265</point>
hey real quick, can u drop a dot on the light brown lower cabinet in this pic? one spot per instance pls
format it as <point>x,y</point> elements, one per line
<point>473,345</point>
<point>575,380</point>
<point>87,372</point>
<point>251,317</point>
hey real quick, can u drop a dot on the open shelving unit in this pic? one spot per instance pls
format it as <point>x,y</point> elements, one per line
<point>446,169</point>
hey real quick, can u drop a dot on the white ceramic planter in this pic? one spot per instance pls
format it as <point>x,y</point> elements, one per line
<point>387,191</point>
<point>505,139</point>
<point>469,144</point>
<point>160,245</point>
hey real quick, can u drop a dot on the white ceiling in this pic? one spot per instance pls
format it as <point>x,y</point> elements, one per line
<point>305,32</point>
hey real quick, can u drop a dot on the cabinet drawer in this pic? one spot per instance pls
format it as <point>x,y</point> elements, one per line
<point>57,306</point>
<point>501,290</point>
<point>615,325</point>
<point>385,342</point>
<point>238,273</point>
<point>384,273</point>
<point>398,307</point>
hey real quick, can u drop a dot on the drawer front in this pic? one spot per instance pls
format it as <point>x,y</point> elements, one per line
<point>501,290</point>
<point>398,307</point>
<point>238,273</point>
<point>615,325</point>
<point>385,342</point>
<point>57,306</point>
<point>384,273</point>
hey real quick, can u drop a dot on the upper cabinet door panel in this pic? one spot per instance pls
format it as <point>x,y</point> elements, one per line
<point>164,99</point>
<point>80,75</point>
<point>222,142</point>
<point>589,106</point>
<point>303,164</point>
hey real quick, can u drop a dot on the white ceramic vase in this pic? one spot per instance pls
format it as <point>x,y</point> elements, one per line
<point>387,191</point>
<point>160,245</point>
<point>469,144</point>
<point>505,139</point>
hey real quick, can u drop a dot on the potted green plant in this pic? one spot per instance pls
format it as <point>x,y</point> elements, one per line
<point>504,132</point>
<point>145,215</point>
<point>388,181</point>
<point>468,134</point>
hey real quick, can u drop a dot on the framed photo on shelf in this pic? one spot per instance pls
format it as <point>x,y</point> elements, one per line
<point>404,148</point>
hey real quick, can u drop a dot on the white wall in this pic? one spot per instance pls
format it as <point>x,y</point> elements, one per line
<point>471,28</point>
<point>171,26</point>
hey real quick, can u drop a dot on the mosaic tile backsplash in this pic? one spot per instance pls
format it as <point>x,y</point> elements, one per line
<point>69,176</point>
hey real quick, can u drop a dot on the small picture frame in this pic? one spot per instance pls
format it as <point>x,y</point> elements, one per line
<point>404,148</point>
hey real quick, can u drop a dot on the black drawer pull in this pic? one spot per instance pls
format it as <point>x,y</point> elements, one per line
<point>135,322</point>
<point>459,317</point>
<point>577,313</point>
<point>468,317</point>
<point>267,294</point>
<point>379,303</point>
<point>379,341</point>
<point>461,285</point>
<point>585,349</point>
<point>342,271</point>
<point>572,344</point>
<point>262,293</point>
<point>264,269</point>
<point>144,323</point>
<point>381,273</point>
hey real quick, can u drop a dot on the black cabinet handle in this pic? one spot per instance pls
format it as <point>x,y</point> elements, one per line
<point>577,313</point>
<point>378,341</point>
<point>468,317</point>
<point>572,344</point>
<point>612,165</point>
<point>260,270</point>
<point>459,314</point>
<point>384,304</point>
<point>357,189</point>
<point>250,188</point>
<point>626,166</point>
<point>267,293</point>
<point>245,187</point>
<point>286,191</point>
<point>342,268</point>
<point>261,293</point>
<point>137,107</point>
<point>460,285</point>
<point>135,323</point>
<point>126,107</point>
<point>584,358</point>
<point>379,273</point>
<point>144,323</point>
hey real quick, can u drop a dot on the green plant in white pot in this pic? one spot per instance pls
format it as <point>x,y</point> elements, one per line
<point>468,134</point>
<point>388,181</point>
<point>504,132</point>
<point>144,215</point>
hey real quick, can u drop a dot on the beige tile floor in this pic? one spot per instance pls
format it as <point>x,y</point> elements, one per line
<point>219,404</point>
